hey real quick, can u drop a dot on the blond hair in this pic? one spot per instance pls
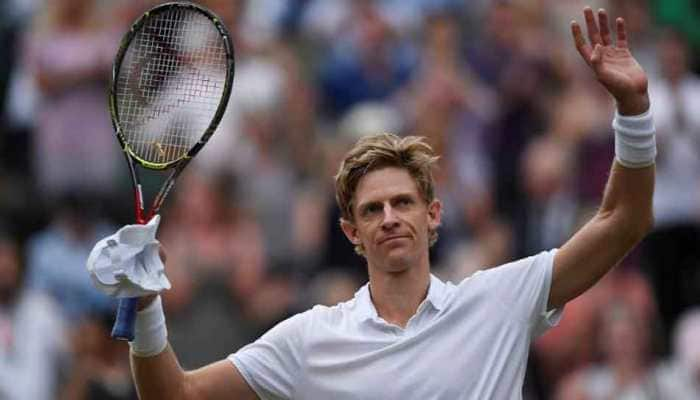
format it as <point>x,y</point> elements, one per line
<point>370,153</point>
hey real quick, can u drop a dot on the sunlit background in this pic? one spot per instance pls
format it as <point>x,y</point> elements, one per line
<point>251,229</point>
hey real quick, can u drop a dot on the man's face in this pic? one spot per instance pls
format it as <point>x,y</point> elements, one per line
<point>392,222</point>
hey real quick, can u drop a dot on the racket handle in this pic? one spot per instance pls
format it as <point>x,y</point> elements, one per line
<point>126,317</point>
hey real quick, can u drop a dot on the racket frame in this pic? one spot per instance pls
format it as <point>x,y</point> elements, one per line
<point>126,312</point>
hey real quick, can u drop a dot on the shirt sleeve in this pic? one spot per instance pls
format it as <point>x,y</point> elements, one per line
<point>271,365</point>
<point>523,288</point>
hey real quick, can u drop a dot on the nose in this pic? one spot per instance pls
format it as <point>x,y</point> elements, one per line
<point>390,220</point>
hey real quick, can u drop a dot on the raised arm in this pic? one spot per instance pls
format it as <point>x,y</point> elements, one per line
<point>625,215</point>
<point>156,371</point>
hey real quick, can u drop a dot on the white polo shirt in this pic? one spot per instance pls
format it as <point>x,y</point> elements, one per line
<point>469,341</point>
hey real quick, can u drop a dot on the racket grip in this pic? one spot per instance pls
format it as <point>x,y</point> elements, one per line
<point>126,317</point>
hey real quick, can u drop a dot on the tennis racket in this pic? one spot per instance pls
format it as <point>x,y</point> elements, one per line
<point>171,82</point>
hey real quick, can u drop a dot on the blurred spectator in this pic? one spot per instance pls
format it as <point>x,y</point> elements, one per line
<point>70,55</point>
<point>628,370</point>
<point>326,21</point>
<point>505,60</point>
<point>490,51</point>
<point>682,373</point>
<point>14,139</point>
<point>676,94</point>
<point>260,20</point>
<point>368,62</point>
<point>56,256</point>
<point>258,92</point>
<point>318,20</point>
<point>7,39</point>
<point>303,152</point>
<point>671,253</point>
<point>299,118</point>
<point>100,366</point>
<point>588,136</point>
<point>16,18</point>
<point>331,287</point>
<point>255,146</point>
<point>548,215</point>
<point>575,342</point>
<point>272,194</point>
<point>33,335</point>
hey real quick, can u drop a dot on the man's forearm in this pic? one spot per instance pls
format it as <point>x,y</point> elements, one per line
<point>156,371</point>
<point>158,377</point>
<point>623,219</point>
<point>628,196</point>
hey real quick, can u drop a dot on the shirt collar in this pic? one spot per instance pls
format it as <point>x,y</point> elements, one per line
<point>436,292</point>
<point>366,310</point>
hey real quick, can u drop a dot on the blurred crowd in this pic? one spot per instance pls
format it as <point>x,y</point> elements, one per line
<point>251,230</point>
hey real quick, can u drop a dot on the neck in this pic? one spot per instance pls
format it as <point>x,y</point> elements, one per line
<point>397,295</point>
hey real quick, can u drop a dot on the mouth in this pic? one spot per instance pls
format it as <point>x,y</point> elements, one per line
<point>390,238</point>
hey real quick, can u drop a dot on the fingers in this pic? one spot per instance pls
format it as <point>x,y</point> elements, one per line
<point>621,33</point>
<point>598,35</point>
<point>604,27</point>
<point>596,55</point>
<point>591,27</point>
<point>584,49</point>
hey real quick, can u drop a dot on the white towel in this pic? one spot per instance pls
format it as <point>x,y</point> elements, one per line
<point>127,263</point>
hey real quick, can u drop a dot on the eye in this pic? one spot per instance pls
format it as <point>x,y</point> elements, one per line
<point>403,201</point>
<point>371,209</point>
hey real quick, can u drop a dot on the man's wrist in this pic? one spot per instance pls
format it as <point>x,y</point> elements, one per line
<point>635,139</point>
<point>150,332</point>
<point>634,105</point>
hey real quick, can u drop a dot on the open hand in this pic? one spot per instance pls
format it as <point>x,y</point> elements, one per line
<point>613,64</point>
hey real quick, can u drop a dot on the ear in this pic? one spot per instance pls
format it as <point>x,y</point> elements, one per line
<point>434,214</point>
<point>350,231</point>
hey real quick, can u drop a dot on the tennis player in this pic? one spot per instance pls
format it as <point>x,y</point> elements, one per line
<point>406,334</point>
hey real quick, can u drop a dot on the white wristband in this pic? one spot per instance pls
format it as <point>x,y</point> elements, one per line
<point>150,332</point>
<point>635,140</point>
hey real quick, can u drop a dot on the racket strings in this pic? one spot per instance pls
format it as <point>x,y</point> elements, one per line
<point>170,84</point>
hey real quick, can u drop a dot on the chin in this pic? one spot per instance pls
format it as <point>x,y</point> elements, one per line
<point>397,267</point>
<point>397,263</point>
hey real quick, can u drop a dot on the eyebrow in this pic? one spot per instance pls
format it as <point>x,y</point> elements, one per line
<point>399,196</point>
<point>403,196</point>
